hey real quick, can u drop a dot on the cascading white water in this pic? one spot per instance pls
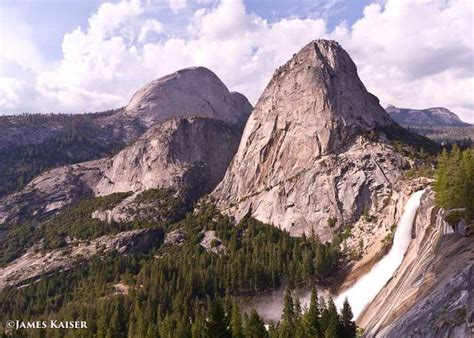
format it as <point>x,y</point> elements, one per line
<point>369,285</point>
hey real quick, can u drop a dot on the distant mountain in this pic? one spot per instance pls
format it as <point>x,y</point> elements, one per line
<point>430,117</point>
<point>438,124</point>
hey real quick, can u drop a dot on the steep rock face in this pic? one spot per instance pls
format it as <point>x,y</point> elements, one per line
<point>302,158</point>
<point>188,154</point>
<point>431,294</point>
<point>191,154</point>
<point>32,144</point>
<point>188,92</point>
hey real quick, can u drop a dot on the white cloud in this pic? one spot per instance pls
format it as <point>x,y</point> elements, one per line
<point>106,63</point>
<point>99,64</point>
<point>177,5</point>
<point>114,18</point>
<point>416,54</point>
<point>8,92</point>
<point>150,26</point>
<point>20,61</point>
<point>409,53</point>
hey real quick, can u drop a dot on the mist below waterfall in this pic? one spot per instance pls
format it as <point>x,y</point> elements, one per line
<point>369,285</point>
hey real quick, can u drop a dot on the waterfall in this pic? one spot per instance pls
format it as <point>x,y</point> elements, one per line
<point>369,285</point>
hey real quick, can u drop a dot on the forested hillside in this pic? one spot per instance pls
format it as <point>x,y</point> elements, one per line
<point>171,290</point>
<point>52,140</point>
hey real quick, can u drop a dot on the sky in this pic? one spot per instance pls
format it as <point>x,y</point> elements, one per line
<point>92,55</point>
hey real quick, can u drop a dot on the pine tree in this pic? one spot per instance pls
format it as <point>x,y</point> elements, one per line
<point>331,331</point>
<point>311,317</point>
<point>287,326</point>
<point>468,182</point>
<point>299,323</point>
<point>454,180</point>
<point>273,330</point>
<point>324,319</point>
<point>349,327</point>
<point>254,326</point>
<point>236,322</point>
<point>217,324</point>
<point>441,176</point>
<point>198,327</point>
<point>334,324</point>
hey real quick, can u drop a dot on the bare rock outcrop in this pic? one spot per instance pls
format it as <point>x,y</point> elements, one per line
<point>35,263</point>
<point>175,237</point>
<point>187,153</point>
<point>211,243</point>
<point>304,156</point>
<point>50,192</point>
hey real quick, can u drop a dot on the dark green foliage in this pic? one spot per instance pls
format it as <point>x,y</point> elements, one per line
<point>254,326</point>
<point>76,138</point>
<point>333,326</point>
<point>236,324</point>
<point>16,241</point>
<point>409,143</point>
<point>217,323</point>
<point>311,317</point>
<point>289,317</point>
<point>177,290</point>
<point>320,320</point>
<point>76,222</point>
<point>454,183</point>
<point>332,222</point>
<point>348,326</point>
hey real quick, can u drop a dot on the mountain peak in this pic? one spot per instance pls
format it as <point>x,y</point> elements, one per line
<point>194,91</point>
<point>313,111</point>
<point>320,82</point>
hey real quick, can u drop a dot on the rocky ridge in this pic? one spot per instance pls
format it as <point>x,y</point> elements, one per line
<point>177,153</point>
<point>430,117</point>
<point>37,263</point>
<point>195,91</point>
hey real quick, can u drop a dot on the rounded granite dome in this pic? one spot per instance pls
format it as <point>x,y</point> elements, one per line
<point>195,91</point>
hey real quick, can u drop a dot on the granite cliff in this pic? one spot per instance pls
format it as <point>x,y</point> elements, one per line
<point>306,156</point>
